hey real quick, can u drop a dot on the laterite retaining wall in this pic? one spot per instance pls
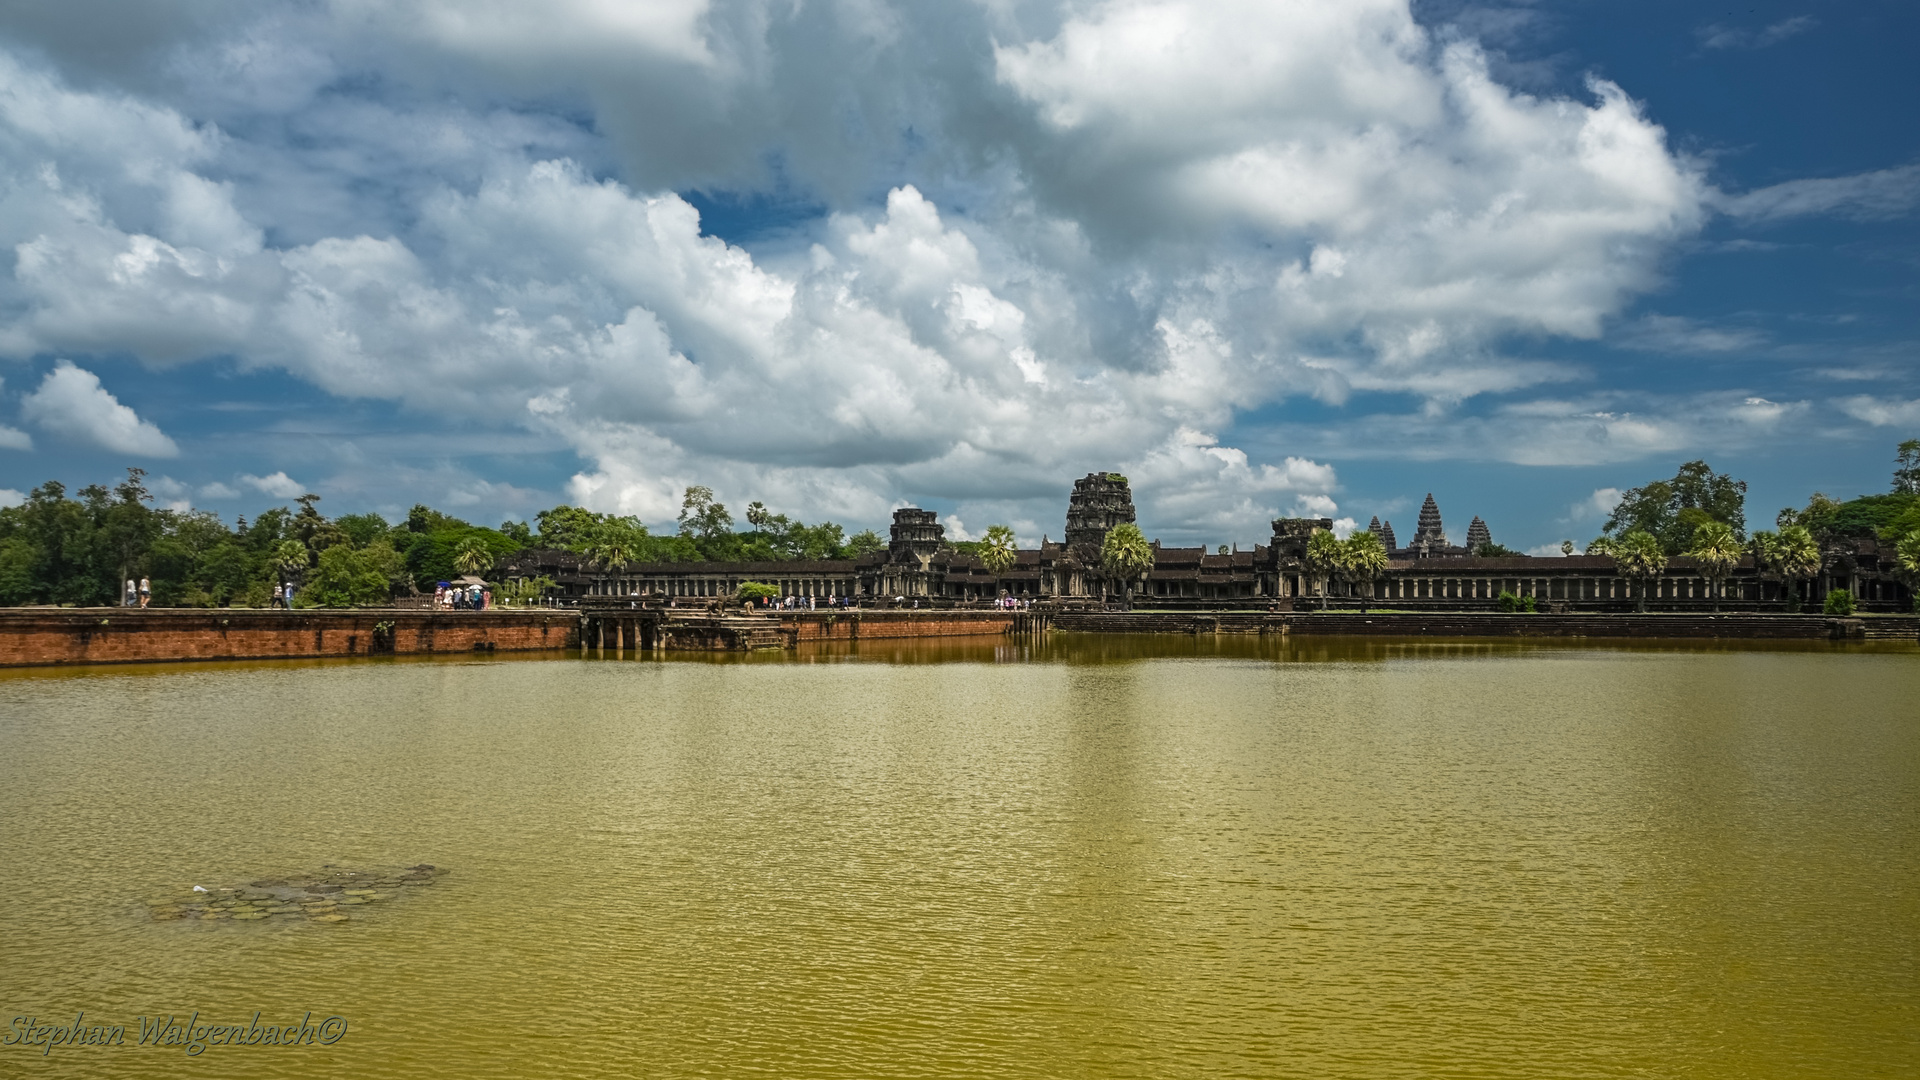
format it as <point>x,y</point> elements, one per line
<point>38,636</point>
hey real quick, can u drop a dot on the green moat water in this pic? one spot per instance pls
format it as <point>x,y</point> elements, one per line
<point>1101,857</point>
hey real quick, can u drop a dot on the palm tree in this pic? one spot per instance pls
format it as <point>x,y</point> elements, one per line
<point>1125,555</point>
<point>1364,559</point>
<point>1906,563</point>
<point>1765,546</point>
<point>1716,552</point>
<point>473,556</point>
<point>1325,555</point>
<point>610,547</point>
<point>1797,559</point>
<point>290,556</point>
<point>996,549</point>
<point>1640,557</point>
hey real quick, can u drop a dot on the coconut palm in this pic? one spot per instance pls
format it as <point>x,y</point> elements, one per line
<point>1125,555</point>
<point>473,556</point>
<point>1797,559</point>
<point>1364,560</point>
<point>1325,555</point>
<point>1716,552</point>
<point>1639,556</point>
<point>996,549</point>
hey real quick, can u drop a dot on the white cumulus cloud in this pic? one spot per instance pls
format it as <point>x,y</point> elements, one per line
<point>72,404</point>
<point>277,484</point>
<point>1108,230</point>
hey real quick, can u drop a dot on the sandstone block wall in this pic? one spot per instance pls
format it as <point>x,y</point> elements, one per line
<point>1471,625</point>
<point>37,636</point>
<point>873,625</point>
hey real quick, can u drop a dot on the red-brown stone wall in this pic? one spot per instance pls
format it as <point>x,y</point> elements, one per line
<point>32,636</point>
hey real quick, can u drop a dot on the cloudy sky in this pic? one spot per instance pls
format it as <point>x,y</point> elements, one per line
<point>1276,257</point>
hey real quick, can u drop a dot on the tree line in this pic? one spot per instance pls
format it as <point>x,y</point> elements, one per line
<point>80,548</point>
<point>1701,515</point>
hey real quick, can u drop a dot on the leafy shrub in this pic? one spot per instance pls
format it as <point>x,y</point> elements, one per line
<point>756,591</point>
<point>1840,602</point>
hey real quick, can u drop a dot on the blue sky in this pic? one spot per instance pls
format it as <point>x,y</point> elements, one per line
<point>1318,257</point>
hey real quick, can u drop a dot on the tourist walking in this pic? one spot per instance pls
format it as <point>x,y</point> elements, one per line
<point>279,596</point>
<point>130,596</point>
<point>146,591</point>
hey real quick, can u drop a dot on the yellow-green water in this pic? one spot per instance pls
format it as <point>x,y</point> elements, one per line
<point>1104,857</point>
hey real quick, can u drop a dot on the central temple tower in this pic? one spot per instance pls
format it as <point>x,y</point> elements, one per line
<point>1099,502</point>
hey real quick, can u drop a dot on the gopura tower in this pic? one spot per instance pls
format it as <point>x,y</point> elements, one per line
<point>1099,502</point>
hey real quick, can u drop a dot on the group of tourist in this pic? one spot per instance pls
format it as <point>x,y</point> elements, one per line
<point>137,593</point>
<point>282,595</point>
<point>804,603</point>
<point>462,597</point>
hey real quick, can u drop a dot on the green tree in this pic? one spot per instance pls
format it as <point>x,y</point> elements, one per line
<point>313,529</point>
<point>1906,565</point>
<point>753,592</point>
<point>473,555</point>
<point>1364,560</point>
<point>1716,552</point>
<point>433,556</point>
<point>864,542</point>
<point>1796,559</point>
<point>1124,556</point>
<point>345,577</point>
<point>362,529</point>
<point>523,591</point>
<point>615,543</point>
<point>1906,468</point>
<point>290,556</point>
<point>425,519</point>
<point>1323,559</point>
<point>566,528</point>
<point>1671,510</point>
<point>997,549</point>
<point>703,517</point>
<point>127,527</point>
<point>1640,557</point>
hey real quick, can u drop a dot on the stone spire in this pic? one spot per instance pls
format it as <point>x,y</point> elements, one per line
<point>1385,533</point>
<point>1374,525</point>
<point>1098,503</point>
<point>1478,534</point>
<point>1430,531</point>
